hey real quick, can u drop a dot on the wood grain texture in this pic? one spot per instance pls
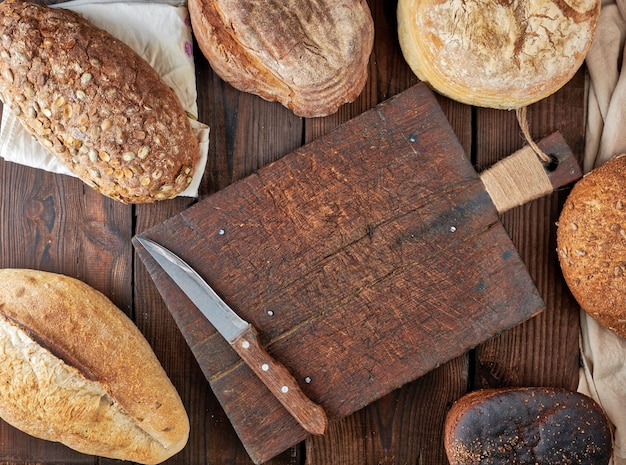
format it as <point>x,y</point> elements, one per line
<point>54,223</point>
<point>528,354</point>
<point>406,426</point>
<point>280,382</point>
<point>360,268</point>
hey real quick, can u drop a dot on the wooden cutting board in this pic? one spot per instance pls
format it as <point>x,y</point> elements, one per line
<point>365,259</point>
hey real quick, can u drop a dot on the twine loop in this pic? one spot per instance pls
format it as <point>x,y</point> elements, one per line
<point>523,124</point>
<point>520,177</point>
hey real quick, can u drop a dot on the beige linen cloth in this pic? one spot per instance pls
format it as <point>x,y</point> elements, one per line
<point>159,31</point>
<point>603,354</point>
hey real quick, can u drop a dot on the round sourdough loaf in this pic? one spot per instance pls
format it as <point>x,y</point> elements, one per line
<point>527,425</point>
<point>94,103</point>
<point>311,56</point>
<point>503,55</point>
<point>591,242</point>
<point>74,369</point>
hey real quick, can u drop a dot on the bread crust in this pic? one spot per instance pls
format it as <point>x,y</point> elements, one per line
<point>76,370</point>
<point>529,425</point>
<point>502,55</point>
<point>591,242</point>
<point>94,103</point>
<point>312,56</point>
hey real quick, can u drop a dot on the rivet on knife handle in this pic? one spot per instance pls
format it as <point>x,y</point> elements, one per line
<point>280,382</point>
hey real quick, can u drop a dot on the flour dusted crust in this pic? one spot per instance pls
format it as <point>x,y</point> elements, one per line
<point>591,241</point>
<point>90,100</point>
<point>75,370</point>
<point>502,55</point>
<point>310,56</point>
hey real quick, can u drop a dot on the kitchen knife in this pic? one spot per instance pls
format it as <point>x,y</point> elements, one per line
<point>242,336</point>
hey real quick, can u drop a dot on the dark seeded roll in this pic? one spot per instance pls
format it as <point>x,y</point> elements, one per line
<point>591,241</point>
<point>94,103</point>
<point>547,426</point>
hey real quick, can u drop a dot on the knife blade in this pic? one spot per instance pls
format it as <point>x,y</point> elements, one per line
<point>242,337</point>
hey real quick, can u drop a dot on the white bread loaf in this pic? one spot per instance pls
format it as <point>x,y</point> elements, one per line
<point>75,369</point>
<point>503,55</point>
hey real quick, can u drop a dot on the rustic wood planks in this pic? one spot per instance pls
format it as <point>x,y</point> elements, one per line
<point>48,222</point>
<point>365,259</point>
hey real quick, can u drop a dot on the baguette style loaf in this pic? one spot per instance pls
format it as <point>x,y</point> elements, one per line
<point>93,102</point>
<point>311,56</point>
<point>74,369</point>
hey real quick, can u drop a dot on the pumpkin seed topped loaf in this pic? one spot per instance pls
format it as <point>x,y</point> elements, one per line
<point>94,103</point>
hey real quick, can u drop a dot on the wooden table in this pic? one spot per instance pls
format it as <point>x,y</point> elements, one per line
<point>56,223</point>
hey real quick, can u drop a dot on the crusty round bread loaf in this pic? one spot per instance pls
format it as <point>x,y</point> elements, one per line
<point>94,103</point>
<point>591,242</point>
<point>503,55</point>
<point>311,56</point>
<point>74,369</point>
<point>527,425</point>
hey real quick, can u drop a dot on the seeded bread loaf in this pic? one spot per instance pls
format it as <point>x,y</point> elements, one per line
<point>94,103</point>
<point>74,369</point>
<point>496,54</point>
<point>311,56</point>
<point>527,425</point>
<point>591,242</point>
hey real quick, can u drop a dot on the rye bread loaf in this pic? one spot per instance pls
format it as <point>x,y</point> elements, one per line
<point>311,56</point>
<point>491,54</point>
<point>74,369</point>
<point>527,425</point>
<point>93,102</point>
<point>591,243</point>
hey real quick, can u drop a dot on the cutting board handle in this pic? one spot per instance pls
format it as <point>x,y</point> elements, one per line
<point>522,176</point>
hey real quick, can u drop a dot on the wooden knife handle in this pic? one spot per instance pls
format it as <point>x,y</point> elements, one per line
<point>280,382</point>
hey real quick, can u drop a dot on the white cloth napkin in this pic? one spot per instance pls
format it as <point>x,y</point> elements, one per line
<point>603,378</point>
<point>158,31</point>
<point>603,353</point>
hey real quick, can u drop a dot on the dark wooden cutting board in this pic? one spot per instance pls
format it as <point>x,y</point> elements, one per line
<point>365,259</point>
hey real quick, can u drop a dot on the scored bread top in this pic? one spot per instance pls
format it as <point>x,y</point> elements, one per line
<point>310,56</point>
<point>591,242</point>
<point>503,55</point>
<point>93,371</point>
<point>93,102</point>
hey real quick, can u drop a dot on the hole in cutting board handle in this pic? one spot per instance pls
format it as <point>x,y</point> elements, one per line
<point>553,165</point>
